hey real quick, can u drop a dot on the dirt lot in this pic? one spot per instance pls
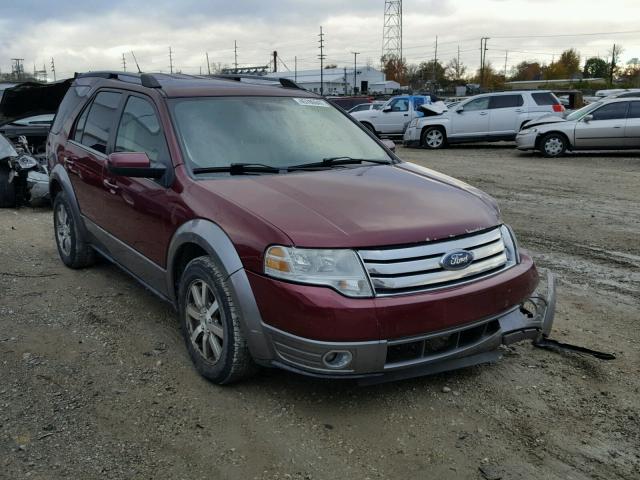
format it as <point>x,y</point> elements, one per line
<point>96,382</point>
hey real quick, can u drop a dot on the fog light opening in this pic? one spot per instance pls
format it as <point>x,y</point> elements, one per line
<point>337,358</point>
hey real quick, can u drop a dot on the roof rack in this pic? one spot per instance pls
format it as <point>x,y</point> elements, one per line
<point>149,80</point>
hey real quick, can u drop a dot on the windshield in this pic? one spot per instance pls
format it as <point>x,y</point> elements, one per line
<point>578,114</point>
<point>274,131</point>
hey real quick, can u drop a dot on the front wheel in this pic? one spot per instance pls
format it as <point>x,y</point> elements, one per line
<point>553,145</point>
<point>211,324</point>
<point>433,138</point>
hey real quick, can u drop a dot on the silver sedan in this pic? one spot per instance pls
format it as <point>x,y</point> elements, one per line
<point>604,125</point>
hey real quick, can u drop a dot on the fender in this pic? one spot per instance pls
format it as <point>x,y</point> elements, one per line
<point>59,174</point>
<point>211,238</point>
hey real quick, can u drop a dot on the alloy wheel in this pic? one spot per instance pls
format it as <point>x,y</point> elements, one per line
<point>63,229</point>
<point>204,321</point>
<point>434,138</point>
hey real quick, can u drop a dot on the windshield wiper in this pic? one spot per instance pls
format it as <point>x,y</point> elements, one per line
<point>240,169</point>
<point>334,161</point>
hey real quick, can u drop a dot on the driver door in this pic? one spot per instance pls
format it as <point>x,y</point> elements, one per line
<point>471,119</point>
<point>605,129</point>
<point>394,117</point>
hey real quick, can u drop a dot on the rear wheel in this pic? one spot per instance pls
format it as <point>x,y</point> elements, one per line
<point>433,137</point>
<point>7,189</point>
<point>73,249</point>
<point>211,324</point>
<point>553,145</point>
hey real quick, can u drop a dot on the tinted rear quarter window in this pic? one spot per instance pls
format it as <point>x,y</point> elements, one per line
<point>506,101</point>
<point>545,98</point>
<point>634,110</point>
<point>74,97</point>
<point>100,121</point>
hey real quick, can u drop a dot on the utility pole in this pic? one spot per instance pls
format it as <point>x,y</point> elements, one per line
<point>483,54</point>
<point>235,56</point>
<point>124,63</point>
<point>295,66</point>
<point>355,70</point>
<point>345,81</point>
<point>275,61</point>
<point>435,62</point>
<point>506,55</point>
<point>170,60</point>
<point>53,69</point>
<point>208,64</point>
<point>613,64</point>
<point>322,56</point>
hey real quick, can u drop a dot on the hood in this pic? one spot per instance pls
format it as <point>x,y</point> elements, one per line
<point>544,119</point>
<point>363,206</point>
<point>31,98</point>
<point>437,108</point>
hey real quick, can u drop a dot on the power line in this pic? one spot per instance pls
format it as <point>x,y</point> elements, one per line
<point>568,34</point>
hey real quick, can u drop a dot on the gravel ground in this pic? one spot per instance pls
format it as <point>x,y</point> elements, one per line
<point>96,382</point>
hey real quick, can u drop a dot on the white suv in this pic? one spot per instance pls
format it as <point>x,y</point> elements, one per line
<point>487,117</point>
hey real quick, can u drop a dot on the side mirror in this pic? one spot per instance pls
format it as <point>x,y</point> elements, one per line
<point>587,118</point>
<point>387,108</point>
<point>133,164</point>
<point>459,109</point>
<point>389,144</point>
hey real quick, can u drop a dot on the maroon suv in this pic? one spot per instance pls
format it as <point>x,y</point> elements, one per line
<point>283,232</point>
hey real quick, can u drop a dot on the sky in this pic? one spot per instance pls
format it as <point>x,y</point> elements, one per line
<point>94,34</point>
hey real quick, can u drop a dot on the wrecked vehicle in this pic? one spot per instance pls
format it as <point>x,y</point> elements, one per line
<point>26,114</point>
<point>394,116</point>
<point>610,124</point>
<point>489,117</point>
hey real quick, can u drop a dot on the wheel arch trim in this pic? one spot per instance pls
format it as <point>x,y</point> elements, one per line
<point>60,176</point>
<point>213,239</point>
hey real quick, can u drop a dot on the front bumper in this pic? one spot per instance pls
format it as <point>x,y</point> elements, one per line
<point>526,139</point>
<point>384,360</point>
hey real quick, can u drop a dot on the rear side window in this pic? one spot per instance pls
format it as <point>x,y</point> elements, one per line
<point>417,102</point>
<point>74,96</point>
<point>77,135</point>
<point>100,120</point>
<point>612,111</point>
<point>506,101</point>
<point>634,110</point>
<point>545,98</point>
<point>140,131</point>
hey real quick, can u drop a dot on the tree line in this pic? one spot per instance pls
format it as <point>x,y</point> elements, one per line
<point>434,75</point>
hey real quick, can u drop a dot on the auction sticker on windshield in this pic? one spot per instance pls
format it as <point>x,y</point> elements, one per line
<point>312,102</point>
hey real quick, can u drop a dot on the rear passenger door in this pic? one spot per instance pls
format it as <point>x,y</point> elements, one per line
<point>85,153</point>
<point>632,127</point>
<point>605,130</point>
<point>505,114</point>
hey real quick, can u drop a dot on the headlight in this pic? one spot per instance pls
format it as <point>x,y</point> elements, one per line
<point>511,244</point>
<point>338,269</point>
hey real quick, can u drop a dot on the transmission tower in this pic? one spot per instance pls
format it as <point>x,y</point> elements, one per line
<point>392,30</point>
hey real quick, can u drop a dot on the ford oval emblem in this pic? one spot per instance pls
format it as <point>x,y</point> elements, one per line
<point>456,260</point>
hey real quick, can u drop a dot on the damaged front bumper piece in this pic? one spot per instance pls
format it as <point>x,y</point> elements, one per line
<point>372,362</point>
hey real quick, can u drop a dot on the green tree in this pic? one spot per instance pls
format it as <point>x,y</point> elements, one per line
<point>394,69</point>
<point>595,67</point>
<point>570,60</point>
<point>527,71</point>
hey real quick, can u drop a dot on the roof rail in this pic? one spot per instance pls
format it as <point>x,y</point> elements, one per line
<point>285,82</point>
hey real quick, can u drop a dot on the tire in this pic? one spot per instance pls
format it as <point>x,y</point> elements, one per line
<point>73,248</point>
<point>210,323</point>
<point>433,138</point>
<point>7,190</point>
<point>553,145</point>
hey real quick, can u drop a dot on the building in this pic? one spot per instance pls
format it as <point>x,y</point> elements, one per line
<point>337,81</point>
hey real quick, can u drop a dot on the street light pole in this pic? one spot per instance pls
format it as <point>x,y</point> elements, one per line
<point>355,70</point>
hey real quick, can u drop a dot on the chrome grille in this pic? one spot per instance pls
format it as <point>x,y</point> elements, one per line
<point>403,270</point>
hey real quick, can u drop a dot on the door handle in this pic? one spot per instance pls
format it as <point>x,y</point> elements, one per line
<point>111,186</point>
<point>519,110</point>
<point>406,114</point>
<point>483,113</point>
<point>617,126</point>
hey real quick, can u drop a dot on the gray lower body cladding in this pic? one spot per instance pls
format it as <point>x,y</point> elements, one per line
<point>386,360</point>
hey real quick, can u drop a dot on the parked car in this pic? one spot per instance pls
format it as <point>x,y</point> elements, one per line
<point>327,256</point>
<point>487,117</point>
<point>610,124</point>
<point>375,105</point>
<point>394,116</point>
<point>628,93</point>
